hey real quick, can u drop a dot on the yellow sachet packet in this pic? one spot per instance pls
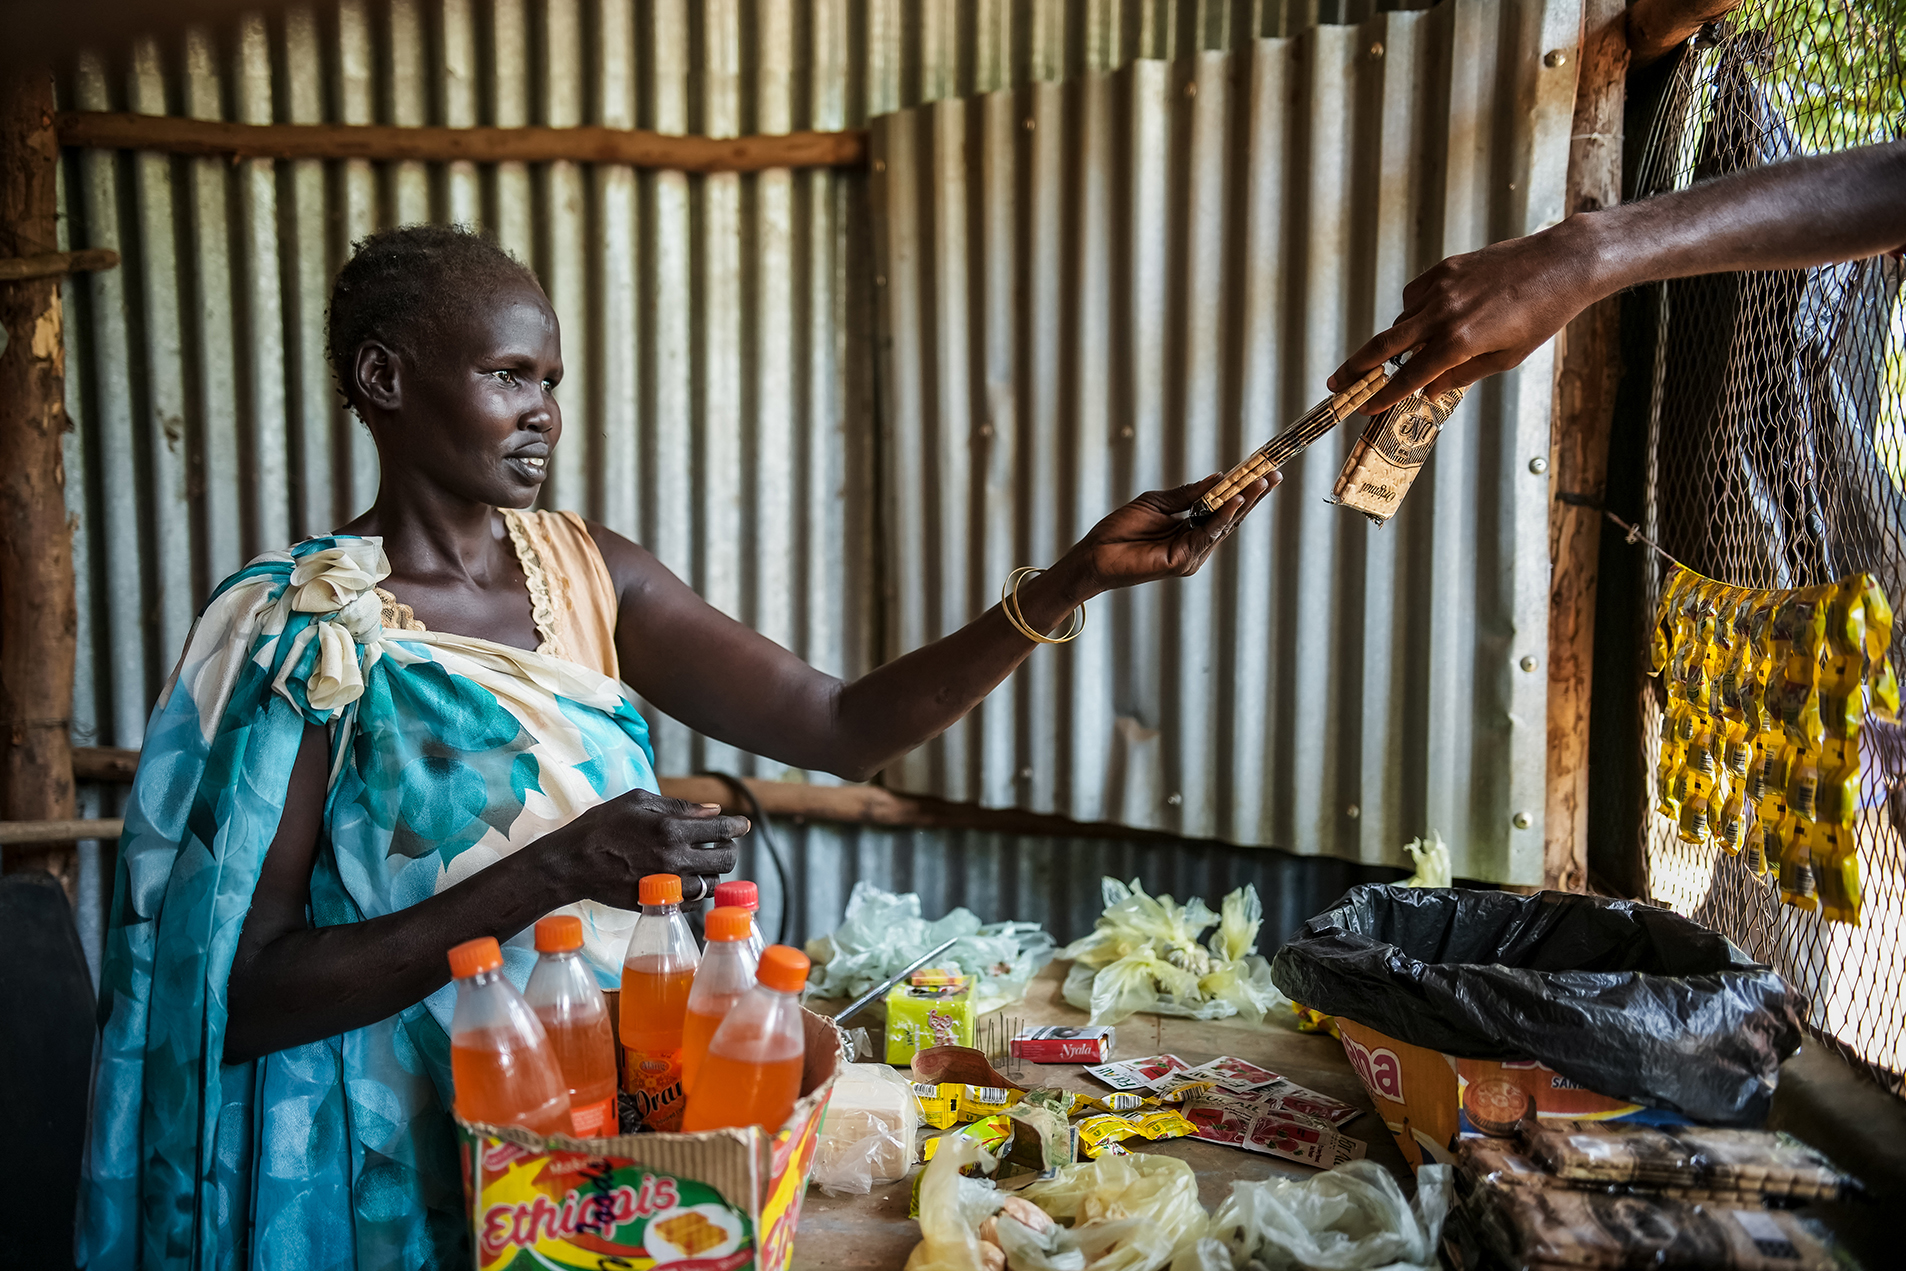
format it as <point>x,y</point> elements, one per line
<point>985,1101</point>
<point>1163,1124</point>
<point>939,1104</point>
<point>1096,1132</point>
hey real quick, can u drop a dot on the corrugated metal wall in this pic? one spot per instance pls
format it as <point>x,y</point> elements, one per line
<point>718,330</point>
<point>1128,280</point>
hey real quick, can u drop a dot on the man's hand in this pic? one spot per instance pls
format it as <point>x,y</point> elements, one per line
<point>1479,314</point>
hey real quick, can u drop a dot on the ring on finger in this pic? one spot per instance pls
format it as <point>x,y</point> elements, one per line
<point>701,889</point>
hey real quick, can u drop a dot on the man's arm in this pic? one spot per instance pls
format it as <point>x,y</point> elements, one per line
<point>1484,312</point>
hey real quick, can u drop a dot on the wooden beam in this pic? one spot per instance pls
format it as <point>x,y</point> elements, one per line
<point>108,765</point>
<point>58,264</point>
<point>854,805</point>
<point>1586,369</point>
<point>19,833</point>
<point>38,614</point>
<point>632,146</point>
<point>1656,28</point>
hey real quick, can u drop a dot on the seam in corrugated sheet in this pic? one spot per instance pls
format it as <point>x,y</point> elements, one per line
<point>1127,281</point>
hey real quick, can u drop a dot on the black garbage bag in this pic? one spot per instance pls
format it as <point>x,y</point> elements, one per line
<point>1627,1000</point>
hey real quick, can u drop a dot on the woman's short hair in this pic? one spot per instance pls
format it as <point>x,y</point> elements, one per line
<point>400,285</point>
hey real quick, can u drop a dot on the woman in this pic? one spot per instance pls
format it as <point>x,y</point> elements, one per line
<point>420,730</point>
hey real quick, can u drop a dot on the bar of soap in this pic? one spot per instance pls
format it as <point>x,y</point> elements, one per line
<point>869,1135</point>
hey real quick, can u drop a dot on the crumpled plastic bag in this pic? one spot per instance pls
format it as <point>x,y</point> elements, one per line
<point>952,1206</point>
<point>1432,862</point>
<point>882,932</point>
<point>1352,1218</point>
<point>1129,1213</point>
<point>1144,955</point>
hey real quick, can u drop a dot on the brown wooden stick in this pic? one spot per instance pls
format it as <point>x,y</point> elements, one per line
<point>23,833</point>
<point>56,264</point>
<point>38,611</point>
<point>1587,365</point>
<point>861,805</point>
<point>634,147</point>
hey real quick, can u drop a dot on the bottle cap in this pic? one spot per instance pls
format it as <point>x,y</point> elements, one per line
<point>660,889</point>
<point>473,957</point>
<point>727,923</point>
<point>782,969</point>
<point>558,933</point>
<point>738,892</point>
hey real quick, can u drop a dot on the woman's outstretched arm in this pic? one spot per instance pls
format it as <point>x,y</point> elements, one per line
<point>728,682</point>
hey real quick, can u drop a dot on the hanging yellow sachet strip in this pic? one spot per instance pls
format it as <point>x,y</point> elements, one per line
<point>1760,739</point>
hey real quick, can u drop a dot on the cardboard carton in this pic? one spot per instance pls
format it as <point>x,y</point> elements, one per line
<point>1428,1100</point>
<point>719,1200</point>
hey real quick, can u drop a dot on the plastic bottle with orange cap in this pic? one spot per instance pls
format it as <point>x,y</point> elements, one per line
<point>739,893</point>
<point>562,990</point>
<point>727,971</point>
<point>505,1070</point>
<point>752,1073</point>
<point>657,972</point>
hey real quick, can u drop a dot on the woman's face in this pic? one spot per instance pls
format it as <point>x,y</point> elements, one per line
<point>477,415</point>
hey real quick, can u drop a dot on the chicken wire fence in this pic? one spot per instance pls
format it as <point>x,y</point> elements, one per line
<point>1777,458</point>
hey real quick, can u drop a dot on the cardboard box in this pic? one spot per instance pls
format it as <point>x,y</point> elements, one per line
<point>921,1016</point>
<point>720,1200</point>
<point>1428,1100</point>
<point>1055,1044</point>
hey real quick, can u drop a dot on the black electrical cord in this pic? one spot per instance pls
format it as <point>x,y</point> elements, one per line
<point>761,827</point>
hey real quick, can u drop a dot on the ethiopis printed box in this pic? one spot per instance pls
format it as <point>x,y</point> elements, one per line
<point>719,1200</point>
<point>1428,1100</point>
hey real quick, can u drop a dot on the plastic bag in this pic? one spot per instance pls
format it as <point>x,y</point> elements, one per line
<point>1129,1213</point>
<point>1432,862</point>
<point>882,932</point>
<point>869,1135</point>
<point>1144,955</point>
<point>1624,999</point>
<point>1352,1218</point>
<point>952,1207</point>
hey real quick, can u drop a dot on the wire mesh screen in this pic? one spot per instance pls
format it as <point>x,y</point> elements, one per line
<point>1778,459</point>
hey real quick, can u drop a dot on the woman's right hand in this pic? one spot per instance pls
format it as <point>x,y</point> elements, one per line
<point>605,852</point>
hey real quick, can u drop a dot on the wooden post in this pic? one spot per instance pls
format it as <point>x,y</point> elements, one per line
<point>37,607</point>
<point>1587,367</point>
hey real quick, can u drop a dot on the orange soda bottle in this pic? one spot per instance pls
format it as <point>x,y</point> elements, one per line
<point>752,1075</point>
<point>742,894</point>
<point>725,974</point>
<point>656,975</point>
<point>500,1059</point>
<point>562,991</point>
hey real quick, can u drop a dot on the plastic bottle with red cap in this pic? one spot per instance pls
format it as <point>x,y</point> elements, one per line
<point>657,973</point>
<point>501,1062</point>
<point>752,1074</point>
<point>739,893</point>
<point>725,974</point>
<point>562,990</point>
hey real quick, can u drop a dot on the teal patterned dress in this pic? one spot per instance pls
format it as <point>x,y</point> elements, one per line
<point>448,753</point>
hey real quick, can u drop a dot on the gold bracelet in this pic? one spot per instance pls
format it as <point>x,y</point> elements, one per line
<point>1009,602</point>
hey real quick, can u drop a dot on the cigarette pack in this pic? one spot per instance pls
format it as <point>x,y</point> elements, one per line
<point>1055,1045</point>
<point>1385,460</point>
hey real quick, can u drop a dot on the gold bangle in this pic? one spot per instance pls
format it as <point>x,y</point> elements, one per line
<point>1009,603</point>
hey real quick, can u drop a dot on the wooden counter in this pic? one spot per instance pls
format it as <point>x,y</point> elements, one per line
<point>873,1231</point>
